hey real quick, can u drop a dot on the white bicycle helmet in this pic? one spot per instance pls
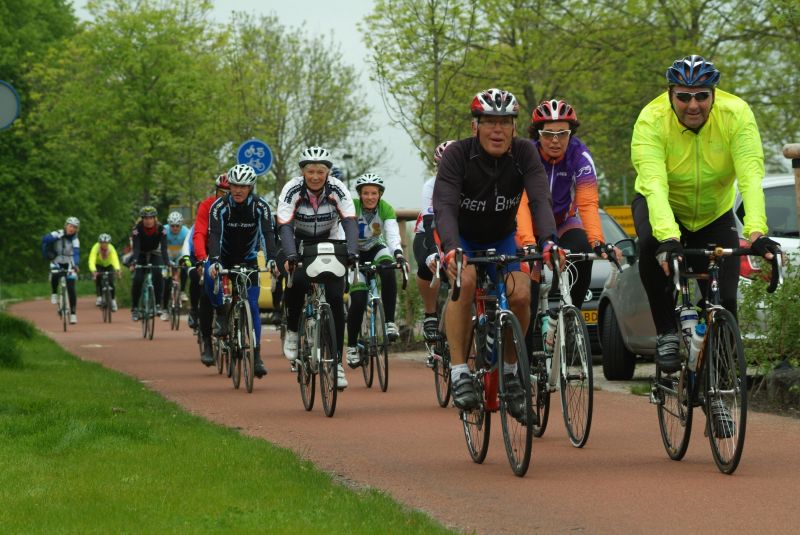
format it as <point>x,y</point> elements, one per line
<point>439,150</point>
<point>104,238</point>
<point>242,175</point>
<point>315,155</point>
<point>175,218</point>
<point>72,220</point>
<point>370,179</point>
<point>495,102</point>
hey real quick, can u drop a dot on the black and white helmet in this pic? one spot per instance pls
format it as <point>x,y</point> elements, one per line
<point>242,175</point>
<point>369,179</point>
<point>175,218</point>
<point>315,155</point>
<point>72,220</point>
<point>104,238</point>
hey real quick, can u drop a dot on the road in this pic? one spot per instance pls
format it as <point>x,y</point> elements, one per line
<point>402,443</point>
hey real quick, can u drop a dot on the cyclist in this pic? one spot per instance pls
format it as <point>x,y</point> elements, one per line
<point>311,208</point>
<point>573,186</point>
<point>689,147</point>
<point>188,259</point>
<point>425,252</point>
<point>378,241</point>
<point>239,224</point>
<point>103,257</point>
<point>63,249</point>
<point>199,241</point>
<point>149,247</point>
<point>476,196</point>
<point>176,235</point>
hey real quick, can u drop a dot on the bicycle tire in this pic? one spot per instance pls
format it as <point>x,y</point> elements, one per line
<point>151,312</point>
<point>540,390</point>
<point>381,345</point>
<point>441,371</point>
<point>305,370</point>
<point>476,423</point>
<point>108,299</point>
<point>143,312</point>
<point>725,382</point>
<point>576,376</point>
<point>64,306</point>
<point>673,398</point>
<point>329,362</point>
<point>175,307</point>
<point>517,434</point>
<point>366,349</point>
<point>235,351</point>
<point>246,342</point>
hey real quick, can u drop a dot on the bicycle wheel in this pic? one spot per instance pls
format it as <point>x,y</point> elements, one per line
<point>247,343</point>
<point>576,376</point>
<point>150,316</point>
<point>517,434</point>
<point>366,349</point>
<point>216,348</point>
<point>381,347</point>
<point>234,349</point>
<point>441,371</point>
<point>673,399</point>
<point>305,369</point>
<point>476,423</point>
<point>107,305</point>
<point>64,306</point>
<point>725,389</point>
<point>175,307</point>
<point>328,363</point>
<point>143,306</point>
<point>540,390</point>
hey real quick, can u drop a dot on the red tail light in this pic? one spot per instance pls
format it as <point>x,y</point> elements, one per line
<point>747,268</point>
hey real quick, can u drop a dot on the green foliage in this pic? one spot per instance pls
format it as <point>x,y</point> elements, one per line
<point>769,321</point>
<point>15,327</point>
<point>10,356</point>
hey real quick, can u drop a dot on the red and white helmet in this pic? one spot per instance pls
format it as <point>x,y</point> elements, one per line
<point>438,152</point>
<point>494,102</point>
<point>222,182</point>
<point>550,111</point>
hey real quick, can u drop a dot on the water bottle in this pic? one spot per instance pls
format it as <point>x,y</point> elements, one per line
<point>696,347</point>
<point>688,322</point>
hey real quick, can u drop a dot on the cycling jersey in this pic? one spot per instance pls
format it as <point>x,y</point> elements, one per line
<point>200,238</point>
<point>66,248</point>
<point>103,259</point>
<point>236,232</point>
<point>476,196</point>
<point>175,242</point>
<point>689,176</point>
<point>377,227</point>
<point>304,216</point>
<point>427,205</point>
<point>187,249</point>
<point>573,186</point>
<point>152,241</point>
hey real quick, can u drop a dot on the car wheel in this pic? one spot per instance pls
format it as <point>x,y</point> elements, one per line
<point>618,362</point>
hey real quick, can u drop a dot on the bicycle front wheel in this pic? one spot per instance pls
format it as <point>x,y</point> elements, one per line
<point>106,305</point>
<point>328,363</point>
<point>366,349</point>
<point>576,376</point>
<point>516,411</point>
<point>673,399</point>
<point>175,307</point>
<point>246,342</point>
<point>441,371</point>
<point>725,386</point>
<point>64,307</point>
<point>234,350</point>
<point>150,315</point>
<point>381,344</point>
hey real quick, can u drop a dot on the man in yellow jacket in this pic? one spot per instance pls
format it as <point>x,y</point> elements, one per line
<point>690,146</point>
<point>103,257</point>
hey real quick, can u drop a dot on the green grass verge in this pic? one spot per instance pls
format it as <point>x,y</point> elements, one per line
<point>640,389</point>
<point>87,450</point>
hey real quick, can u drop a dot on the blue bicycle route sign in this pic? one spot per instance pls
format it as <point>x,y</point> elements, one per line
<point>256,154</point>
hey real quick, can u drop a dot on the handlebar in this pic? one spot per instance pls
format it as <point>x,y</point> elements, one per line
<point>370,267</point>
<point>718,252</point>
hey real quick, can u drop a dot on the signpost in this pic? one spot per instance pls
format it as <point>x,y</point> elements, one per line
<point>256,154</point>
<point>9,105</point>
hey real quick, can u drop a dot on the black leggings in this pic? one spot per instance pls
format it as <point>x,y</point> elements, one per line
<point>195,289</point>
<point>98,282</point>
<point>660,291</point>
<point>358,298</point>
<point>334,294</point>
<point>138,280</point>
<point>71,295</point>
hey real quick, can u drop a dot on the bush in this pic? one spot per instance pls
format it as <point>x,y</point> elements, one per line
<point>14,328</point>
<point>10,356</point>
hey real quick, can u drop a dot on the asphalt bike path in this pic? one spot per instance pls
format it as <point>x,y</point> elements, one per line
<point>402,443</point>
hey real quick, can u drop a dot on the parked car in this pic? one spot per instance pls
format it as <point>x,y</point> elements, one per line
<point>625,323</point>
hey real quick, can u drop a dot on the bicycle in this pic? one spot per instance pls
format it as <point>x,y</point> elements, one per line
<point>174,305</point>
<point>63,295</point>
<point>569,366</point>
<point>317,352</point>
<point>438,349</point>
<point>494,328</point>
<point>147,302</point>
<point>105,295</point>
<point>718,382</point>
<point>240,341</point>
<point>373,343</point>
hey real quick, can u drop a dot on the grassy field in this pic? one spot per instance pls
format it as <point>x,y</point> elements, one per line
<point>84,449</point>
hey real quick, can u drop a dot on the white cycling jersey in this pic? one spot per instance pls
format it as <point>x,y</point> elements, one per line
<point>427,204</point>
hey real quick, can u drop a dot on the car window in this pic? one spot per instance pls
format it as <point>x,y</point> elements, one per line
<point>612,232</point>
<point>781,211</point>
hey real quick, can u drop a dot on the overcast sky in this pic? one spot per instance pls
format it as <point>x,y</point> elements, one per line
<point>403,171</point>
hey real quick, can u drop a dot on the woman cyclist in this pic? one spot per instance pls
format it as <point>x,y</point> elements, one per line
<point>103,257</point>
<point>311,208</point>
<point>378,242</point>
<point>149,247</point>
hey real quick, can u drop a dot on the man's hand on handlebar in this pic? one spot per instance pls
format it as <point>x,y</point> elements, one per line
<point>450,265</point>
<point>667,251</point>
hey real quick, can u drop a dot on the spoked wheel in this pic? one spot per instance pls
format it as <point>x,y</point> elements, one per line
<point>673,399</point>
<point>247,343</point>
<point>106,305</point>
<point>576,377</point>
<point>366,350</point>
<point>725,388</point>
<point>234,349</point>
<point>477,423</point>
<point>217,349</point>
<point>441,371</point>
<point>540,392</point>
<point>150,312</point>
<point>381,348</point>
<point>305,368</point>
<point>64,307</point>
<point>328,364</point>
<point>175,308</point>
<point>516,410</point>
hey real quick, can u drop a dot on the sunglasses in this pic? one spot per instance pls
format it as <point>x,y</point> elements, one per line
<point>550,134</point>
<point>685,96</point>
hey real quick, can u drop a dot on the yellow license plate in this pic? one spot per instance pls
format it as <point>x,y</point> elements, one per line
<point>590,317</point>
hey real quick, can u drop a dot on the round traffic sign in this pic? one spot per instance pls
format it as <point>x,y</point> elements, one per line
<point>256,154</point>
<point>9,105</point>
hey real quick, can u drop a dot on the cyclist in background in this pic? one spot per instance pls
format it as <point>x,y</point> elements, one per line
<point>239,225</point>
<point>176,235</point>
<point>103,258</point>
<point>476,196</point>
<point>149,247</point>
<point>690,147</point>
<point>188,259</point>
<point>425,252</point>
<point>63,249</point>
<point>311,208</point>
<point>378,242</point>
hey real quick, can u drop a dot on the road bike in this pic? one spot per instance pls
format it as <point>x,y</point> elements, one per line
<point>147,301</point>
<point>496,332</point>
<point>240,337</point>
<point>175,303</point>
<point>438,349</point>
<point>717,379</point>
<point>106,295</point>
<point>63,295</point>
<point>373,343</point>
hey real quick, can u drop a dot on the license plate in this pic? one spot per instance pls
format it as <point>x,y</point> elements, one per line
<point>590,317</point>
